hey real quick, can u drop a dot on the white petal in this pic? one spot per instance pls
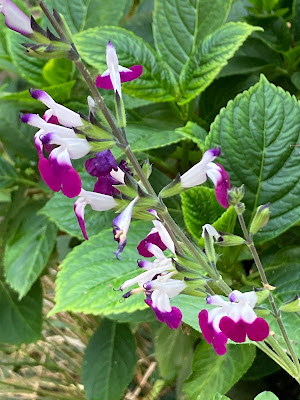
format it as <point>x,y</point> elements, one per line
<point>98,201</point>
<point>211,231</point>
<point>113,67</point>
<point>161,301</point>
<point>118,175</point>
<point>213,171</point>
<point>164,235</point>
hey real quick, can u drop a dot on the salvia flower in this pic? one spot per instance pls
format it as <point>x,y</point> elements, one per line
<point>158,236</point>
<point>121,225</point>
<point>64,115</point>
<point>116,74</point>
<point>15,19</point>
<point>207,168</point>
<point>57,170</point>
<point>235,320</point>
<point>98,202</point>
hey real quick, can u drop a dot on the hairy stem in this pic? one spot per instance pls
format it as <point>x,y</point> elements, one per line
<point>267,285</point>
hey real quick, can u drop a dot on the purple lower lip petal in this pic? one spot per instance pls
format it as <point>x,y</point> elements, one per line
<point>235,331</point>
<point>258,330</point>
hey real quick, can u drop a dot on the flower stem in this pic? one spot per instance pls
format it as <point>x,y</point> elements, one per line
<point>265,282</point>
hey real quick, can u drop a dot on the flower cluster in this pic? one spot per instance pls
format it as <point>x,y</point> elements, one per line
<point>234,319</point>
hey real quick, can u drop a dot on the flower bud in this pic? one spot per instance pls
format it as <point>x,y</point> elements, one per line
<point>235,195</point>
<point>228,239</point>
<point>260,219</point>
<point>172,188</point>
<point>291,306</point>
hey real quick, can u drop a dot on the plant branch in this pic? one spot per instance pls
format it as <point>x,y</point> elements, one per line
<point>266,284</point>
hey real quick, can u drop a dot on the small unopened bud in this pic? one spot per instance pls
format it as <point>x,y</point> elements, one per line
<point>260,219</point>
<point>292,305</point>
<point>173,188</point>
<point>235,195</point>
<point>228,239</point>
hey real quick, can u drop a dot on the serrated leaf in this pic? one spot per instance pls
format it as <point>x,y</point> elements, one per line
<point>179,26</point>
<point>255,131</point>
<point>226,222</point>
<point>28,67</point>
<point>60,210</point>
<point>282,272</point>
<point>109,361</point>
<point>91,271</point>
<point>157,81</point>
<point>211,56</point>
<point>74,11</point>
<point>212,373</point>
<point>21,321</point>
<point>27,252</point>
<point>173,349</point>
<point>195,133</point>
<point>8,174</point>
<point>102,12</point>
<point>143,137</point>
<point>266,396</point>
<point>200,207</point>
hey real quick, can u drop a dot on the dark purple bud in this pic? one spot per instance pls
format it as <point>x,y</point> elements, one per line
<point>105,184</point>
<point>102,164</point>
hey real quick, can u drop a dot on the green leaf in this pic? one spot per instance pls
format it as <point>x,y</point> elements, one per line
<point>266,396</point>
<point>135,317</point>
<point>27,252</point>
<point>91,271</point>
<point>102,12</point>
<point>296,19</point>
<point>74,12</point>
<point>57,70</point>
<point>282,272</point>
<point>200,207</point>
<point>8,174</point>
<point>21,321</point>
<point>173,350</point>
<point>60,93</point>
<point>157,80</point>
<point>211,56</point>
<point>195,133</point>
<point>28,67</point>
<point>60,210</point>
<point>143,137</point>
<point>190,308</point>
<point>212,373</point>
<point>258,154</point>
<point>19,141</point>
<point>109,361</point>
<point>179,26</point>
<point>219,396</point>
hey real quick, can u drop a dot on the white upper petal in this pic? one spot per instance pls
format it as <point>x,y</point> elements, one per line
<point>98,201</point>
<point>164,235</point>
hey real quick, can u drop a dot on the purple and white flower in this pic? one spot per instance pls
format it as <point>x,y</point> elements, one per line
<point>116,74</point>
<point>98,202</point>
<point>233,320</point>
<point>158,236</point>
<point>121,226</point>
<point>207,168</point>
<point>15,19</point>
<point>57,170</point>
<point>64,115</point>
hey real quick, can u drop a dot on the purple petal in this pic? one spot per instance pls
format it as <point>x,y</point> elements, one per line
<point>79,212</point>
<point>51,120</point>
<point>105,184</point>
<point>102,164</point>
<point>172,318</point>
<point>235,331</point>
<point>223,185</point>
<point>206,328</point>
<point>49,174</point>
<point>258,330</point>
<point>219,343</point>
<point>153,238</point>
<point>71,183</point>
<point>104,82</point>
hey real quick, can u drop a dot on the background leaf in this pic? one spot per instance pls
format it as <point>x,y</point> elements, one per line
<point>91,271</point>
<point>8,174</point>
<point>255,132</point>
<point>74,11</point>
<point>109,361</point>
<point>21,321</point>
<point>179,26</point>
<point>212,373</point>
<point>210,57</point>
<point>27,252</point>
<point>102,12</point>
<point>157,80</point>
